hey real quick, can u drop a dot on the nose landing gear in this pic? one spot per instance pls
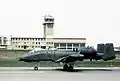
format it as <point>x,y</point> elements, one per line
<point>35,68</point>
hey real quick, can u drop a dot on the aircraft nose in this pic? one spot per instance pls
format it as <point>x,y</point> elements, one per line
<point>21,59</point>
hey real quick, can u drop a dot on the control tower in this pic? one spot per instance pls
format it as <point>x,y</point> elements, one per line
<point>48,26</point>
<point>48,30</point>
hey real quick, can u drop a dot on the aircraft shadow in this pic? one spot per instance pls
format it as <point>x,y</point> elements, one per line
<point>82,70</point>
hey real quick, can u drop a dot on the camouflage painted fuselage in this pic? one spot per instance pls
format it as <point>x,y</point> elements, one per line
<point>45,55</point>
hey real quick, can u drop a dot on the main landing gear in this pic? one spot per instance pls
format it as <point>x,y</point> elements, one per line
<point>68,66</point>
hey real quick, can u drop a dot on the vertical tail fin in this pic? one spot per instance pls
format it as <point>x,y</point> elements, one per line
<point>109,53</point>
<point>100,48</point>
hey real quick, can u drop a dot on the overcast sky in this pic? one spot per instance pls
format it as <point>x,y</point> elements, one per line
<point>96,20</point>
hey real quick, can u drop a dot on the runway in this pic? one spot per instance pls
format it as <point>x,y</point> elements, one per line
<point>54,68</point>
<point>56,74</point>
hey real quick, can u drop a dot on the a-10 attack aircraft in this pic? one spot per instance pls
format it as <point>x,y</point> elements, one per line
<point>68,58</point>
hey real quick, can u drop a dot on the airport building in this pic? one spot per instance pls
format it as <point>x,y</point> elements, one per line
<point>22,43</point>
<point>48,40</point>
<point>3,42</point>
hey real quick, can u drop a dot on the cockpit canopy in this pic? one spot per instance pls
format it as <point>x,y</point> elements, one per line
<point>35,50</point>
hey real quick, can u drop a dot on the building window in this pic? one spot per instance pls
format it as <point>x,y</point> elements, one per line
<point>32,46</point>
<point>76,45</point>
<point>5,38</point>
<point>44,47</point>
<point>82,45</point>
<point>36,42</point>
<point>33,42</point>
<point>63,44</point>
<point>39,42</point>
<point>56,45</point>
<point>69,45</point>
<point>18,46</point>
<point>4,42</point>
<point>0,42</point>
<point>24,42</point>
<point>49,42</point>
<point>42,39</point>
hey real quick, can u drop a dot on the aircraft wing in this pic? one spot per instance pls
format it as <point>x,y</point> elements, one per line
<point>70,58</point>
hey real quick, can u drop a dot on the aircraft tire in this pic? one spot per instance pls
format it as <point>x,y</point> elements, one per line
<point>35,68</point>
<point>70,67</point>
<point>66,67</point>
